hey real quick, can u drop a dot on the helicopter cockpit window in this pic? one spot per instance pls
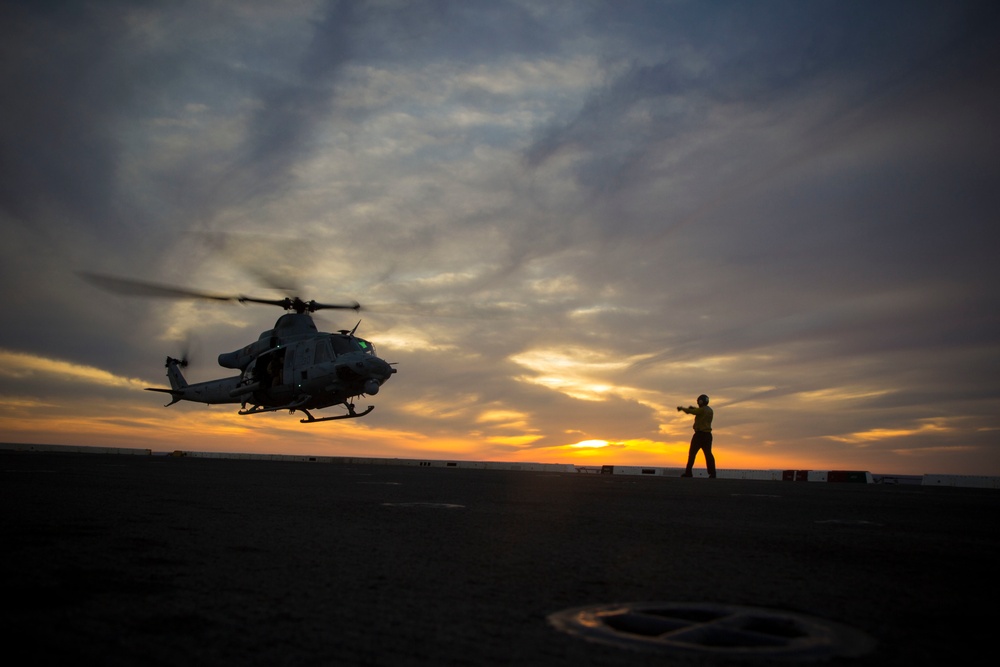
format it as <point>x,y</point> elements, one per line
<point>324,351</point>
<point>346,344</point>
<point>342,345</point>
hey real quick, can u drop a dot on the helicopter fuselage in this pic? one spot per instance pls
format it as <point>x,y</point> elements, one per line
<point>290,367</point>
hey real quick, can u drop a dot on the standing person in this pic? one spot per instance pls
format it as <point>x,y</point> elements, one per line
<point>702,438</point>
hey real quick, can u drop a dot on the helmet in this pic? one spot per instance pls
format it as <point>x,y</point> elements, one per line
<point>703,400</point>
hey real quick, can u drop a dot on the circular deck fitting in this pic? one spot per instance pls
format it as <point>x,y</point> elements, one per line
<point>712,629</point>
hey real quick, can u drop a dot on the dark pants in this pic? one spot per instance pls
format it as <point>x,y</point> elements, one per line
<point>701,440</point>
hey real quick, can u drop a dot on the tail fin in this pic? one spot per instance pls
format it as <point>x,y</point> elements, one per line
<point>177,381</point>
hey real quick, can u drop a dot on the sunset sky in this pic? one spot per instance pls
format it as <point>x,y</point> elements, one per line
<point>563,220</point>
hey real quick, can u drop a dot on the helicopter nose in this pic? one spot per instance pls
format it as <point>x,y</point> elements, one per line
<point>372,387</point>
<point>381,369</point>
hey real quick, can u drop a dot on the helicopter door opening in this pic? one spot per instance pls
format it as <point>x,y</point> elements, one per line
<point>269,369</point>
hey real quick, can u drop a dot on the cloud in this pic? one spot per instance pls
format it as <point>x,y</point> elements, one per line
<point>566,219</point>
<point>19,366</point>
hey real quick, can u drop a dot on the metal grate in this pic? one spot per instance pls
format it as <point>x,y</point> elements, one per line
<point>721,630</point>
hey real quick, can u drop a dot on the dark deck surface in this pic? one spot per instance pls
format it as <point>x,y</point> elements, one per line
<point>126,560</point>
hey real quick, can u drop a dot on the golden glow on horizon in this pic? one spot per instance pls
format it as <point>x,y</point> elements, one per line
<point>138,420</point>
<point>624,452</point>
<point>589,443</point>
<point>513,440</point>
<point>198,428</point>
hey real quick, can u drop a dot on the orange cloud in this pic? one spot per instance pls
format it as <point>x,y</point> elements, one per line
<point>880,434</point>
<point>19,365</point>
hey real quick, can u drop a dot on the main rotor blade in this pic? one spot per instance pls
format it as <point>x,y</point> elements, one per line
<point>129,287</point>
<point>300,306</point>
<point>353,305</point>
<point>285,303</point>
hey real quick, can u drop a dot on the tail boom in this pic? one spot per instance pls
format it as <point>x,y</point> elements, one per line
<point>210,392</point>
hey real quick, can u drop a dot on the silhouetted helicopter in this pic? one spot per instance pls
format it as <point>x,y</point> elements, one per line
<point>292,366</point>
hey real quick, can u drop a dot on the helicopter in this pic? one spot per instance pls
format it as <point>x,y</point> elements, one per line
<point>292,366</point>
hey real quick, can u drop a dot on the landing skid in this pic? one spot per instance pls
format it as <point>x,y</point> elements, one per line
<point>292,407</point>
<point>350,415</point>
<point>256,410</point>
